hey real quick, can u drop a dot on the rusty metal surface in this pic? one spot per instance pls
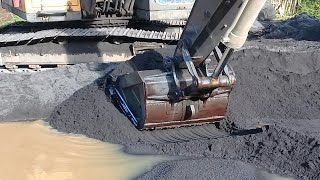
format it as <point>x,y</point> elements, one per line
<point>163,113</point>
<point>152,98</point>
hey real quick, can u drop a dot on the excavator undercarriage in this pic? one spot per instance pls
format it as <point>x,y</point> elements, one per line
<point>110,21</point>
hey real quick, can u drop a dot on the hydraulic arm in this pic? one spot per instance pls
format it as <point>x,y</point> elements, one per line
<point>188,91</point>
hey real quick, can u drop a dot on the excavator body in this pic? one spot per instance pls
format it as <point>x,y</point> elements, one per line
<point>91,10</point>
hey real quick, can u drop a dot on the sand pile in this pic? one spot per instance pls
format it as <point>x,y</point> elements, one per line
<point>300,27</point>
<point>277,84</point>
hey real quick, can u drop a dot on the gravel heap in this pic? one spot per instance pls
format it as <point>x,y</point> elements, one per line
<point>300,27</point>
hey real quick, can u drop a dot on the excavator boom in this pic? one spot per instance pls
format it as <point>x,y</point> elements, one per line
<point>187,91</point>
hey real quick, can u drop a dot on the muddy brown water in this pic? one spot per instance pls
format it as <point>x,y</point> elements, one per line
<point>35,151</point>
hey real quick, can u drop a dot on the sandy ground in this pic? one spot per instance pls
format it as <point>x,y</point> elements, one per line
<point>278,87</point>
<point>278,84</point>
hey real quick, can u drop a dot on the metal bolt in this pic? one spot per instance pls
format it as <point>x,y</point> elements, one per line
<point>195,83</point>
<point>207,14</point>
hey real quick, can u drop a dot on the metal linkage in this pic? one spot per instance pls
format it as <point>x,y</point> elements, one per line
<point>111,7</point>
<point>222,62</point>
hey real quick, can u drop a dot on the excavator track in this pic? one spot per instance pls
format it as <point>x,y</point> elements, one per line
<point>53,34</point>
<point>18,40</point>
<point>12,56</point>
<point>19,32</point>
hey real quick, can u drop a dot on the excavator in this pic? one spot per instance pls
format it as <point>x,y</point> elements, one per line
<point>187,91</point>
<point>87,22</point>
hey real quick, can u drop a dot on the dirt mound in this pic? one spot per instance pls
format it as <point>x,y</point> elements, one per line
<point>275,87</point>
<point>300,27</point>
<point>276,81</point>
<point>208,168</point>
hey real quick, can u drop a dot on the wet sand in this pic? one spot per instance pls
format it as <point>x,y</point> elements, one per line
<point>276,85</point>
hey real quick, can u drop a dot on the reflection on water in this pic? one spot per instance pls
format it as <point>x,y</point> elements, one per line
<point>34,151</point>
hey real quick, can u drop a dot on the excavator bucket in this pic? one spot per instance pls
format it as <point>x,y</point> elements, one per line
<point>188,92</point>
<point>144,96</point>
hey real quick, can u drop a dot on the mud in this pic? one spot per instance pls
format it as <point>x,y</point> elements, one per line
<point>43,153</point>
<point>277,85</point>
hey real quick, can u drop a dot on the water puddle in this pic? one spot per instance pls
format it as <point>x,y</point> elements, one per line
<point>34,151</point>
